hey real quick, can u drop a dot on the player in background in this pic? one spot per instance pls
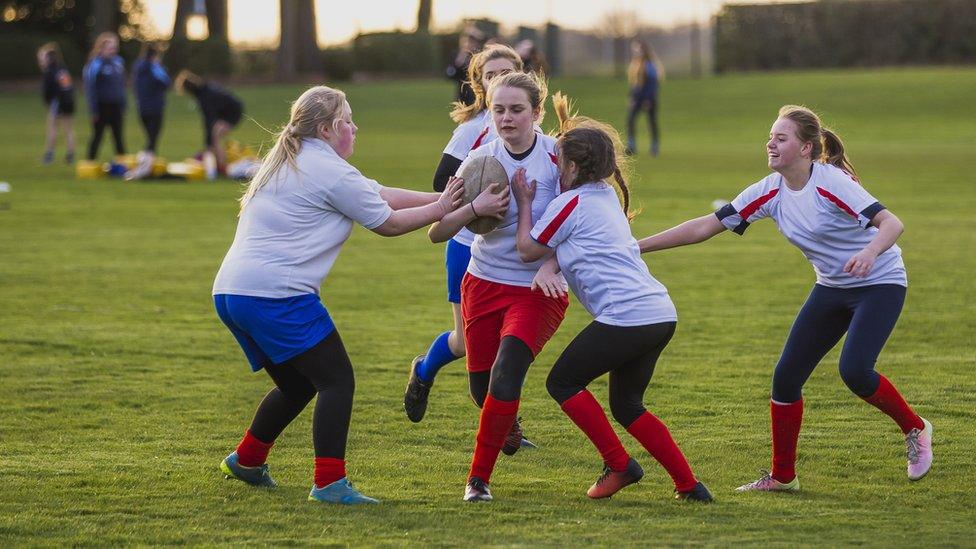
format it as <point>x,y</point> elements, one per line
<point>297,212</point>
<point>634,318</point>
<point>506,322</point>
<point>474,130</point>
<point>221,111</point>
<point>58,93</point>
<point>644,74</point>
<point>818,204</point>
<point>104,77</point>
<point>151,81</point>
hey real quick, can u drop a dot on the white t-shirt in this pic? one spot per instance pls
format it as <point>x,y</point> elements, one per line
<point>290,232</point>
<point>494,256</point>
<point>828,220</point>
<point>467,137</point>
<point>601,259</point>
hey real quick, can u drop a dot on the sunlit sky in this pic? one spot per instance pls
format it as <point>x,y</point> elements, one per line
<point>256,21</point>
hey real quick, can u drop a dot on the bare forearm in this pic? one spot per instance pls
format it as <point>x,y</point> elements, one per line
<point>450,224</point>
<point>692,231</point>
<point>399,199</point>
<point>410,219</point>
<point>889,229</point>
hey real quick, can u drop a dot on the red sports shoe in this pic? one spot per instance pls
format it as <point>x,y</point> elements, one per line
<point>611,482</point>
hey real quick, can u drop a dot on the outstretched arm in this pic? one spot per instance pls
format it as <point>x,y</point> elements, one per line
<point>486,204</point>
<point>404,220</point>
<point>692,231</point>
<point>399,199</point>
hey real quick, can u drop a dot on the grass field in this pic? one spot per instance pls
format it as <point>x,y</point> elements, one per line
<point>121,391</point>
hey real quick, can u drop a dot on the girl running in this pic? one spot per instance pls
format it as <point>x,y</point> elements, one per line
<point>633,316</point>
<point>296,214</point>
<point>474,130</point>
<point>506,323</point>
<point>104,77</point>
<point>58,92</point>
<point>847,235</point>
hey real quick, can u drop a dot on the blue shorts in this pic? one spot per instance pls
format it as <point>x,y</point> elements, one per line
<point>458,256</point>
<point>272,331</point>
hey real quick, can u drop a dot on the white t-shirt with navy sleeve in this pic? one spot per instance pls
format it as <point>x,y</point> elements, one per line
<point>467,137</point>
<point>828,220</point>
<point>600,258</point>
<point>289,234</point>
<point>494,256</point>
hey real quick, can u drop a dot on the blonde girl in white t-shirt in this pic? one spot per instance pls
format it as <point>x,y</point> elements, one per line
<point>819,205</point>
<point>295,216</point>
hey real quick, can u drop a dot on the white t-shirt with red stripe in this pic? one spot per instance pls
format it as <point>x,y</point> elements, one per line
<point>601,259</point>
<point>828,220</point>
<point>494,256</point>
<point>467,137</point>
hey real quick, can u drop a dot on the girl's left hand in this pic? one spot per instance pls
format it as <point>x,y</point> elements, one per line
<point>451,197</point>
<point>523,190</point>
<point>549,282</point>
<point>860,265</point>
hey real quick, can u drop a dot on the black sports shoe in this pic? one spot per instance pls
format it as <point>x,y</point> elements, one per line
<point>514,439</point>
<point>477,490</point>
<point>698,493</point>
<point>415,397</point>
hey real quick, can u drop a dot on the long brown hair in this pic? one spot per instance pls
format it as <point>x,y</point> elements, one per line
<point>596,149</point>
<point>461,112</point>
<point>635,71</point>
<point>827,145</point>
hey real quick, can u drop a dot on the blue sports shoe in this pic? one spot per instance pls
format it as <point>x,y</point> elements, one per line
<point>255,476</point>
<point>341,492</point>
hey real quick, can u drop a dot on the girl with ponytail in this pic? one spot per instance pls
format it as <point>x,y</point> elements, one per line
<point>474,130</point>
<point>818,204</point>
<point>507,321</point>
<point>295,216</point>
<point>587,226</point>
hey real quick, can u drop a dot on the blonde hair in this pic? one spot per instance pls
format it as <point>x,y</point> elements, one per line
<point>532,83</point>
<point>636,75</point>
<point>50,49</point>
<point>100,43</point>
<point>827,146</point>
<point>187,80</point>
<point>596,149</point>
<point>317,106</point>
<point>461,112</point>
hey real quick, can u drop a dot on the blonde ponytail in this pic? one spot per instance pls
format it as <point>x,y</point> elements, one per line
<point>834,154</point>
<point>827,146</point>
<point>316,107</point>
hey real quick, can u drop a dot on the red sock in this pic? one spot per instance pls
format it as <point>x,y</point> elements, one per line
<point>497,417</point>
<point>588,415</point>
<point>328,470</point>
<point>889,400</point>
<point>656,439</point>
<point>786,420</point>
<point>252,452</point>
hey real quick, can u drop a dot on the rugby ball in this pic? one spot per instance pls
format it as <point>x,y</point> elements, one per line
<point>478,174</point>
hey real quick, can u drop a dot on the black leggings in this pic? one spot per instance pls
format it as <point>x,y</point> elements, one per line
<point>635,107</point>
<point>628,353</point>
<point>108,114</point>
<point>324,370</point>
<point>504,381</point>
<point>153,123</point>
<point>867,314</point>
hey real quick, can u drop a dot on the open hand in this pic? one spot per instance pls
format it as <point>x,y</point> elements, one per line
<point>524,190</point>
<point>549,282</point>
<point>489,204</point>
<point>451,197</point>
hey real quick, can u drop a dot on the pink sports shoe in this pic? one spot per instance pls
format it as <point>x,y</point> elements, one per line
<point>919,445</point>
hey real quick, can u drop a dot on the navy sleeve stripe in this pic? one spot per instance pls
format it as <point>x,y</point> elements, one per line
<point>725,211</point>
<point>872,210</point>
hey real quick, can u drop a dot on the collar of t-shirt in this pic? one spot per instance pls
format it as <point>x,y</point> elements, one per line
<point>523,155</point>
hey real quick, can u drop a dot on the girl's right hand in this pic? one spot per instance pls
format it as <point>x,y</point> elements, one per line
<point>524,190</point>
<point>451,197</point>
<point>489,204</point>
<point>548,281</point>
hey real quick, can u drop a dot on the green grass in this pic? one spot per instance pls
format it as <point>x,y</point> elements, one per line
<point>121,391</point>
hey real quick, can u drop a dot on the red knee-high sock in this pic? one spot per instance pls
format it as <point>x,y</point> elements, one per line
<point>588,415</point>
<point>252,452</point>
<point>889,400</point>
<point>786,420</point>
<point>328,470</point>
<point>656,439</point>
<point>497,417</point>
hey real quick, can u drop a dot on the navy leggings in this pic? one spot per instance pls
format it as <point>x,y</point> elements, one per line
<point>867,314</point>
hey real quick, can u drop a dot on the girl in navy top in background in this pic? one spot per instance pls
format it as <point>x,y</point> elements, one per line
<point>151,82</point>
<point>644,74</point>
<point>819,205</point>
<point>59,95</point>
<point>104,77</point>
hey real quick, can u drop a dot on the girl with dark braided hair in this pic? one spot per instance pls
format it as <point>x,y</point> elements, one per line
<point>634,318</point>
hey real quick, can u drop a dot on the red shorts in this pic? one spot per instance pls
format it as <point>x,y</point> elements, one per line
<point>492,311</point>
